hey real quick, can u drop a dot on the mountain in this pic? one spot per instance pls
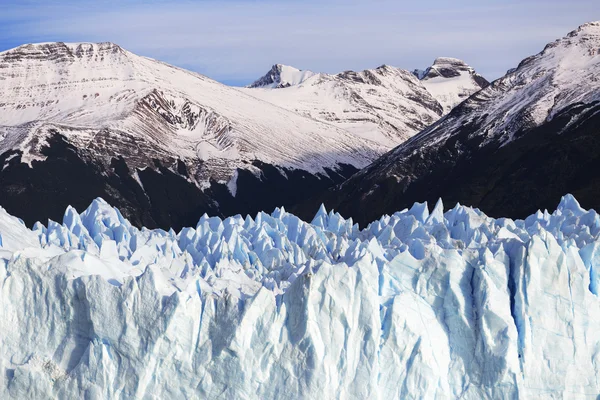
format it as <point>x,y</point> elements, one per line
<point>83,120</point>
<point>420,305</point>
<point>510,149</point>
<point>451,81</point>
<point>281,76</point>
<point>386,105</point>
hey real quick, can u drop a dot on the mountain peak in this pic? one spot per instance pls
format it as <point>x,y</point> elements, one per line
<point>593,26</point>
<point>586,36</point>
<point>60,51</point>
<point>101,103</point>
<point>446,67</point>
<point>450,80</point>
<point>69,45</point>
<point>281,76</point>
<point>577,50</point>
<point>384,67</point>
<point>449,61</point>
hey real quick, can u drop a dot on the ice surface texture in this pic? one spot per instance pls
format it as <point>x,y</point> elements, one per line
<point>417,305</point>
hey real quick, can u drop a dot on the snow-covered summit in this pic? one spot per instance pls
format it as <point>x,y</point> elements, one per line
<point>386,104</point>
<point>281,76</point>
<point>448,67</point>
<point>451,81</point>
<point>60,51</point>
<point>519,143</point>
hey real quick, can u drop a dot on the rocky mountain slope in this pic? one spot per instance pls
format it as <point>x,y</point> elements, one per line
<point>511,148</point>
<point>83,120</point>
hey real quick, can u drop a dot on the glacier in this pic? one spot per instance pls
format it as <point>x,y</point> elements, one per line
<point>419,304</point>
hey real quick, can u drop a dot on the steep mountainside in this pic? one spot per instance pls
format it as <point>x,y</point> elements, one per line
<point>83,120</point>
<point>450,81</point>
<point>511,148</point>
<point>386,104</point>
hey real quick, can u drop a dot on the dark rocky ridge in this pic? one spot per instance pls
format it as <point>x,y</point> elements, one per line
<point>165,198</point>
<point>515,180</point>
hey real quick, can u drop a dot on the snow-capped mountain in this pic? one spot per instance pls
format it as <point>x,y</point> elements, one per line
<point>511,148</point>
<point>419,305</point>
<point>387,105</point>
<point>451,81</point>
<point>110,90</point>
<point>85,120</point>
<point>98,113</point>
<point>281,76</point>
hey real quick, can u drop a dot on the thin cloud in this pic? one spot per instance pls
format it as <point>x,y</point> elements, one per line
<point>239,40</point>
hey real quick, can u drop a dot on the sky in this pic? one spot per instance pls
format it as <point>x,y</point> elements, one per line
<point>237,41</point>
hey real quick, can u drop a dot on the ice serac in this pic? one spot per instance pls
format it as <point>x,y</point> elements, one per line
<point>418,304</point>
<point>451,81</point>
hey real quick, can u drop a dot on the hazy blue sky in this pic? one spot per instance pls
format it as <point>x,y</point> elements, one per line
<point>236,41</point>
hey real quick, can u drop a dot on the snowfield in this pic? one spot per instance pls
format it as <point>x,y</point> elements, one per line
<point>387,105</point>
<point>417,305</point>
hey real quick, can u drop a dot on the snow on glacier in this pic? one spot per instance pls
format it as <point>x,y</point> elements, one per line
<point>418,304</point>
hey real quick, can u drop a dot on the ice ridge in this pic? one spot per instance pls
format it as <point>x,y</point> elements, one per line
<point>418,304</point>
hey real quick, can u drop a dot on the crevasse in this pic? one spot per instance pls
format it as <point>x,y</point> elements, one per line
<point>417,305</point>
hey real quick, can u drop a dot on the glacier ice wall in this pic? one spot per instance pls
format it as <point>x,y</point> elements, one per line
<point>417,305</point>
